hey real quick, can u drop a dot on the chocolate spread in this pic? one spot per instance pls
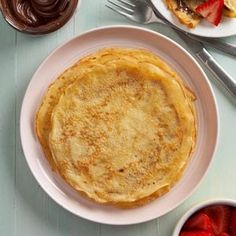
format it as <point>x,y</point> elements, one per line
<point>38,16</point>
<point>181,5</point>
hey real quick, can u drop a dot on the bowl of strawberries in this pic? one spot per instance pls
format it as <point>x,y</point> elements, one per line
<point>211,218</point>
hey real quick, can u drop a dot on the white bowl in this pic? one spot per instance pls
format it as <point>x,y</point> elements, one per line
<point>191,211</point>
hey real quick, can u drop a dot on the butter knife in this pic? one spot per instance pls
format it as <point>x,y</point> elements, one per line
<point>205,57</point>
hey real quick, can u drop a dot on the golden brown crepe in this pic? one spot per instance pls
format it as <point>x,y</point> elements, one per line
<point>184,10</point>
<point>230,8</point>
<point>118,126</point>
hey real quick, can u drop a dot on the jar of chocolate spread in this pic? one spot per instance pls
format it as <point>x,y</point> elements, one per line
<point>37,16</point>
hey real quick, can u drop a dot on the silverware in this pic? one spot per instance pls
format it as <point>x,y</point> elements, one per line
<point>205,57</point>
<point>143,12</point>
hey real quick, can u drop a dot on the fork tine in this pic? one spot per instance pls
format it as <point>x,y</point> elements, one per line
<point>118,11</point>
<point>121,7</point>
<point>126,3</point>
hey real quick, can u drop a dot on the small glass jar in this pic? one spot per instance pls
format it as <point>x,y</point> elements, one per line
<point>37,17</point>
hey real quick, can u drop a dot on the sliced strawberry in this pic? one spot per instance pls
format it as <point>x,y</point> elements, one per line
<point>224,234</point>
<point>196,233</point>
<point>232,223</point>
<point>219,215</point>
<point>199,221</point>
<point>211,10</point>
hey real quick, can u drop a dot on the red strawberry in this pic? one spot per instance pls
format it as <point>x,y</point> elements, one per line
<point>196,233</point>
<point>224,234</point>
<point>219,215</point>
<point>232,224</point>
<point>211,10</point>
<point>199,221</point>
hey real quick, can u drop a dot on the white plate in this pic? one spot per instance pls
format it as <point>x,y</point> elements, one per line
<point>195,208</point>
<point>227,27</point>
<point>89,42</point>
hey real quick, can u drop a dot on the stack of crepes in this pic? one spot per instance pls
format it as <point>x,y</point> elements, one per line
<point>119,126</point>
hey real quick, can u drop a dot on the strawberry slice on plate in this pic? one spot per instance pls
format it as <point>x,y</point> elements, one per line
<point>211,10</point>
<point>196,233</point>
<point>199,221</point>
<point>220,216</point>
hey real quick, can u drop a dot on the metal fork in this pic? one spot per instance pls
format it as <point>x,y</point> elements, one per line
<point>142,12</point>
<point>137,11</point>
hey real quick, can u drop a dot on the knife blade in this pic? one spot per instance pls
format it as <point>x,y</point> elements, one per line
<point>211,64</point>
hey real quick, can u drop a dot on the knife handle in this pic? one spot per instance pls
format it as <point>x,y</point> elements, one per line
<point>217,44</point>
<point>225,79</point>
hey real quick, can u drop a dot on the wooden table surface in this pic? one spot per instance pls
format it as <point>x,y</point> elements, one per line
<point>25,209</point>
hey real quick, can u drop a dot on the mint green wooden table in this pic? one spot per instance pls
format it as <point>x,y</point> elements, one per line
<point>24,208</point>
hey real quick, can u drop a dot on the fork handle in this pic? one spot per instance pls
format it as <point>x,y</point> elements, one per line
<point>225,47</point>
<point>155,19</point>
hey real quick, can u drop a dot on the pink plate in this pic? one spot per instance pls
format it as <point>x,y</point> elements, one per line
<point>133,37</point>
